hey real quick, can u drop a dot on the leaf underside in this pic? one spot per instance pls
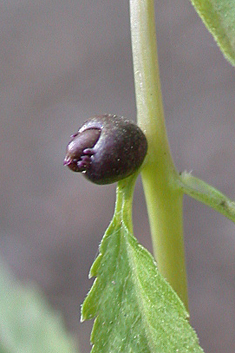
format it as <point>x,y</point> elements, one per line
<point>219,18</point>
<point>135,309</point>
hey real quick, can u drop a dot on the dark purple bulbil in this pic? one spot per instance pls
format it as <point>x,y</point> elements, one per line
<point>106,148</point>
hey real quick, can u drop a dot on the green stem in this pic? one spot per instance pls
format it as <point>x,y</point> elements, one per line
<point>124,197</point>
<point>207,194</point>
<point>159,176</point>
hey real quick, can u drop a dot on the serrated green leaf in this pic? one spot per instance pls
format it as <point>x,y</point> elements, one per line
<point>135,309</point>
<point>219,18</point>
<point>27,323</point>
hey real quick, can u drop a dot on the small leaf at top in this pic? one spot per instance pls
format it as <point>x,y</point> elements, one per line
<point>219,18</point>
<point>135,309</point>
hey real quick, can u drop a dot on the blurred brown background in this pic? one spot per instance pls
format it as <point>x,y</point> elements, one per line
<point>64,61</point>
